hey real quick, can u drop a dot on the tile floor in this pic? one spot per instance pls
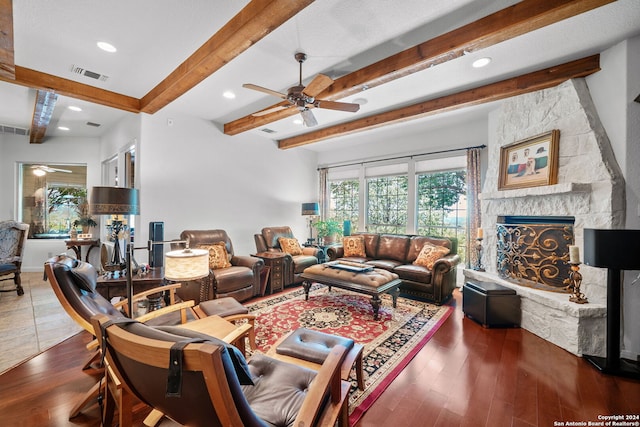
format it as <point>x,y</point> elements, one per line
<point>31,323</point>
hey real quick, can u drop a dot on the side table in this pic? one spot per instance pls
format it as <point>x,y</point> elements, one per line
<point>110,288</point>
<point>77,244</point>
<point>275,262</point>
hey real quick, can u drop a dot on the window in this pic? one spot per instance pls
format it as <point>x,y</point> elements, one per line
<point>441,205</point>
<point>53,197</point>
<point>343,201</point>
<point>387,204</point>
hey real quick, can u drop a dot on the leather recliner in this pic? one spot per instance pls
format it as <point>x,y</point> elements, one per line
<point>240,281</point>
<point>267,241</point>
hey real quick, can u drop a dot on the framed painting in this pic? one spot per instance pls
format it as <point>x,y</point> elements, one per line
<point>532,162</point>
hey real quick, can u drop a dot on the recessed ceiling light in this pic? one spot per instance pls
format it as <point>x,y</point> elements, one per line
<point>482,62</point>
<point>107,47</point>
<point>297,121</point>
<point>63,128</point>
<point>360,101</point>
<point>74,108</point>
<point>229,95</point>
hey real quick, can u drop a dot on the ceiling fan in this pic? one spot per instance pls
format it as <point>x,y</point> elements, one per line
<point>40,170</point>
<point>304,97</point>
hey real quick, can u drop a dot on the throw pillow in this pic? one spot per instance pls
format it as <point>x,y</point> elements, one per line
<point>429,254</point>
<point>218,255</point>
<point>290,245</point>
<point>353,246</point>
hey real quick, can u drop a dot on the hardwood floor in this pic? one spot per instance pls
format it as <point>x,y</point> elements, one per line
<point>464,376</point>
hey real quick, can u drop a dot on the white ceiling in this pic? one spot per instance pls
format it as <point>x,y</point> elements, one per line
<point>154,36</point>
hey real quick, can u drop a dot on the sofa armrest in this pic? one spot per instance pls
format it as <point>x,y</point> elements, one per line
<point>311,250</point>
<point>334,252</point>
<point>444,277</point>
<point>446,263</point>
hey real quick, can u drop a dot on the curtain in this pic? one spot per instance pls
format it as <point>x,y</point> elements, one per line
<point>473,204</point>
<point>322,193</point>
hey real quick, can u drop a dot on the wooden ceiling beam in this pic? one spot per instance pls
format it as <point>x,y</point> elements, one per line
<point>519,19</point>
<point>49,82</point>
<point>530,82</point>
<point>250,25</point>
<point>7,64</point>
<point>42,113</point>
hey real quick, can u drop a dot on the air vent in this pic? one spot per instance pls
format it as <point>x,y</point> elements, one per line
<point>267,130</point>
<point>95,125</point>
<point>91,74</point>
<point>14,130</point>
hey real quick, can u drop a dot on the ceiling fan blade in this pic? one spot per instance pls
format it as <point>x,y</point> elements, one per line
<point>308,118</point>
<point>317,85</point>
<point>264,90</point>
<point>270,110</point>
<point>332,105</point>
<point>59,170</point>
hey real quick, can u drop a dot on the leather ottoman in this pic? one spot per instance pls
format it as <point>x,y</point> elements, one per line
<point>491,304</point>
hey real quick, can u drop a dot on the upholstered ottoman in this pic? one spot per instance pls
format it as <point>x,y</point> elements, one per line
<point>491,304</point>
<point>370,281</point>
<point>310,348</point>
<point>229,309</point>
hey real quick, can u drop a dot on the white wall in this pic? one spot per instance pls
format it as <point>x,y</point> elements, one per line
<point>472,133</point>
<point>192,176</point>
<point>613,90</point>
<point>15,149</point>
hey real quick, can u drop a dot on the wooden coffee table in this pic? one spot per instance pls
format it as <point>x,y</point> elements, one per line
<point>374,283</point>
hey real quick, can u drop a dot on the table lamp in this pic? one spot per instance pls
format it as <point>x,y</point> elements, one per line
<point>310,210</point>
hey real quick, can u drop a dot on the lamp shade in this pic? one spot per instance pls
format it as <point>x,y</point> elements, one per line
<point>617,249</point>
<point>185,265</point>
<point>114,201</point>
<point>310,209</point>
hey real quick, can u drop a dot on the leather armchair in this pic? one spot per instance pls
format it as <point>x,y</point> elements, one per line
<point>240,281</point>
<point>267,241</point>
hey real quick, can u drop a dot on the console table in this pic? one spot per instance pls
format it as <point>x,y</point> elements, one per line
<point>77,244</point>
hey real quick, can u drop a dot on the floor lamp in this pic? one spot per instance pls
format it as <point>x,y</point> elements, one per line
<point>117,201</point>
<point>615,250</point>
<point>310,210</point>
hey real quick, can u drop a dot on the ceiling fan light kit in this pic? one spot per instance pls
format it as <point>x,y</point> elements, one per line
<point>304,97</point>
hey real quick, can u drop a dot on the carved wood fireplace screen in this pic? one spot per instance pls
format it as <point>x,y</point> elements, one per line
<point>535,254</point>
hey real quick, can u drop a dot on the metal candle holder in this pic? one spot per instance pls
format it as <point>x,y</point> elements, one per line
<point>479,266</point>
<point>575,280</point>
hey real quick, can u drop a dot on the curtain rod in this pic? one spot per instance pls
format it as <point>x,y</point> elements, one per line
<point>404,157</point>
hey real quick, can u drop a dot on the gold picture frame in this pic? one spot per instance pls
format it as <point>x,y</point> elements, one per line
<point>532,162</point>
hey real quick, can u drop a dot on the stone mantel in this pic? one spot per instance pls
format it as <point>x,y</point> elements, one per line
<point>542,191</point>
<point>578,328</point>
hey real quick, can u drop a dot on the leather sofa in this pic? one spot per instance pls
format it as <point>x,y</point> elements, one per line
<point>397,253</point>
<point>241,280</point>
<point>293,265</point>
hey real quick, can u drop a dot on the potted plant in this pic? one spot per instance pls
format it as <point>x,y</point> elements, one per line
<point>84,219</point>
<point>328,230</point>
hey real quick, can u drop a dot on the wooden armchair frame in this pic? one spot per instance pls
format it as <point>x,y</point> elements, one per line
<point>12,265</point>
<point>325,402</point>
<point>236,336</point>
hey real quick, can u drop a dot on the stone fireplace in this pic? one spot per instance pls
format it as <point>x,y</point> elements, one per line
<point>590,190</point>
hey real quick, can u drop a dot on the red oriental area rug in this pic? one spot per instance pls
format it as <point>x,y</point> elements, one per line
<point>389,343</point>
